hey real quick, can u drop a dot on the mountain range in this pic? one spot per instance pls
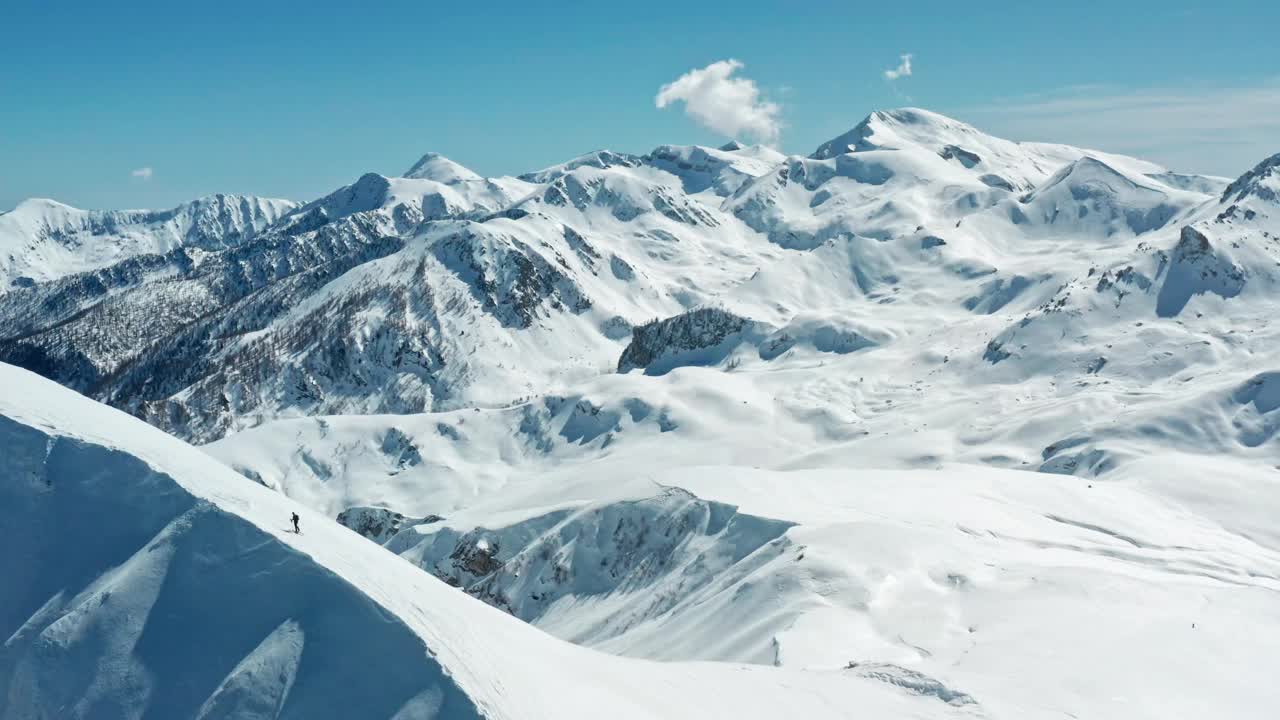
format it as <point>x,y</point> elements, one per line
<point>927,423</point>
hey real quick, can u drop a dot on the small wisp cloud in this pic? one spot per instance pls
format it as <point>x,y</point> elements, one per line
<point>903,69</point>
<point>143,173</point>
<point>726,104</point>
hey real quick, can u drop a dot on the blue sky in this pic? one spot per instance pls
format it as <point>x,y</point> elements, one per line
<point>293,100</point>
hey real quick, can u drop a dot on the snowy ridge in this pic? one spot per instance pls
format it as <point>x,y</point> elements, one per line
<point>1097,199</point>
<point>409,294</point>
<point>1262,182</point>
<point>43,240</point>
<point>168,561</point>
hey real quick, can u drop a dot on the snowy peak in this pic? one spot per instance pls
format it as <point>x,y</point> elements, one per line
<point>235,212</point>
<point>220,220</point>
<point>931,299</point>
<point>999,163</point>
<point>434,166</point>
<point>1196,267</point>
<point>626,195</point>
<point>369,192</point>
<point>406,200</point>
<point>894,129</point>
<point>1093,196</point>
<point>697,168</point>
<point>853,141</point>
<point>1089,171</point>
<point>598,159</point>
<point>1262,182</point>
<point>39,217</point>
<point>700,168</point>
<point>41,208</point>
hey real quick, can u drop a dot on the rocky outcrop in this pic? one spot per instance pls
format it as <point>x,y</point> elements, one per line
<point>380,524</point>
<point>1262,182</point>
<point>1196,267</point>
<point>695,337</point>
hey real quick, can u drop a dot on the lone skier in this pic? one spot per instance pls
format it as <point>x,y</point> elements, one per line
<point>295,524</point>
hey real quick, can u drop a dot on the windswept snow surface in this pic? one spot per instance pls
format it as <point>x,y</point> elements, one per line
<point>144,579</point>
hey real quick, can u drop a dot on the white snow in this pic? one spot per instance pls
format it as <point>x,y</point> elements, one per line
<point>1149,592</point>
<point>434,166</point>
<point>932,421</point>
<point>154,581</point>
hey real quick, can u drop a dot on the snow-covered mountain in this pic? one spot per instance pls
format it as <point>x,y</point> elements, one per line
<point>42,240</point>
<point>144,579</point>
<point>960,591</point>
<point>992,424</point>
<point>411,294</point>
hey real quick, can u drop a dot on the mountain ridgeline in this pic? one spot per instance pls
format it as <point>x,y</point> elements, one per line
<point>926,424</point>
<point>442,289</point>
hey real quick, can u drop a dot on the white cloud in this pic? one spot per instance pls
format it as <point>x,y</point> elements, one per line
<point>728,105</point>
<point>1220,130</point>
<point>145,173</point>
<point>903,69</point>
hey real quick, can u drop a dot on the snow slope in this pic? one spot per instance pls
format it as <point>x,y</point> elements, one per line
<point>1036,597</point>
<point>814,470</point>
<point>657,532</point>
<point>153,582</point>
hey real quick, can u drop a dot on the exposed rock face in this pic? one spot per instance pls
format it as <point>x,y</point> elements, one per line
<point>510,280</point>
<point>380,524</point>
<point>90,326</point>
<point>697,331</point>
<point>475,556</point>
<point>143,332</point>
<point>1262,182</point>
<point>960,155</point>
<point>1195,267</point>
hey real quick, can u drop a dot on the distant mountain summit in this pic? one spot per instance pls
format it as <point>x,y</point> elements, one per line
<point>434,166</point>
<point>1262,182</point>
<point>45,239</point>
